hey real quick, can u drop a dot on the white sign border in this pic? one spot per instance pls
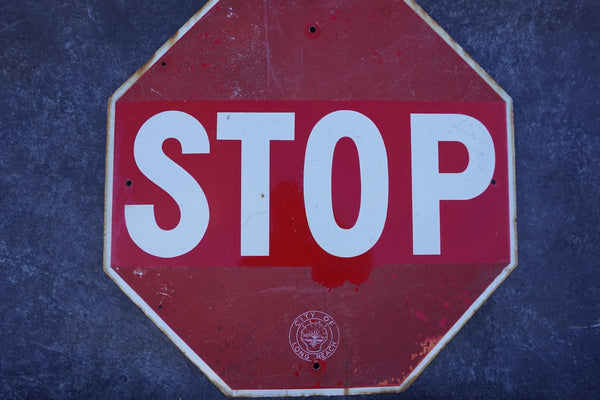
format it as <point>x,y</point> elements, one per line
<point>222,385</point>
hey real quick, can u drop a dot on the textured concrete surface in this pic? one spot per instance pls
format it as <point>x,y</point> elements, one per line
<point>68,332</point>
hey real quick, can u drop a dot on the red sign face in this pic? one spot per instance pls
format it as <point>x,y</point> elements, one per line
<point>310,200</point>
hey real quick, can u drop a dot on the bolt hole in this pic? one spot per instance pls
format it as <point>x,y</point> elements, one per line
<point>128,182</point>
<point>493,181</point>
<point>316,366</point>
<point>312,29</point>
<point>159,306</point>
<point>163,63</point>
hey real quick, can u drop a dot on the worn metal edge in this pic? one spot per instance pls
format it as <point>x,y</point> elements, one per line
<point>459,50</point>
<point>499,279</point>
<point>164,48</point>
<point>108,194</point>
<point>511,197</point>
<point>192,356</point>
<point>159,322</point>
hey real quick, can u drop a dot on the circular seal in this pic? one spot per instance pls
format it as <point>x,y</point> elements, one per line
<point>314,335</point>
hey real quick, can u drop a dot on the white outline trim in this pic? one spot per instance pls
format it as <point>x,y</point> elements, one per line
<point>305,392</point>
<point>108,190</point>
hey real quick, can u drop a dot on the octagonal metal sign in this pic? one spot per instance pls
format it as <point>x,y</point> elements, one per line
<point>310,197</point>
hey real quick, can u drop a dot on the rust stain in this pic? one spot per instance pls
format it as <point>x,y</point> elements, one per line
<point>426,346</point>
<point>390,382</point>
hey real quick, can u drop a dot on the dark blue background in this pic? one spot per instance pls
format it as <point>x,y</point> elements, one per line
<point>67,331</point>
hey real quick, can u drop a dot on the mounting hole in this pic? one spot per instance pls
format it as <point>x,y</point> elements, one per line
<point>163,63</point>
<point>312,29</point>
<point>159,306</point>
<point>493,181</point>
<point>316,366</point>
<point>128,182</point>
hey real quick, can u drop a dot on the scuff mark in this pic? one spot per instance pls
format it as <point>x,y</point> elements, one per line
<point>290,289</point>
<point>51,349</point>
<point>597,325</point>
<point>163,291</point>
<point>10,26</point>
<point>231,13</point>
<point>139,272</point>
<point>164,294</point>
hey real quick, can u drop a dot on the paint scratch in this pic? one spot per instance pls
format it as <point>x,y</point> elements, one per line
<point>267,49</point>
<point>158,93</point>
<point>586,326</point>
<point>51,349</point>
<point>253,215</point>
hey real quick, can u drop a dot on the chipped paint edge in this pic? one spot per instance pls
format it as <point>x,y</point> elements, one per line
<point>212,375</point>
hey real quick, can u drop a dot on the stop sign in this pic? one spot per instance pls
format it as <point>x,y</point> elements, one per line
<point>310,197</point>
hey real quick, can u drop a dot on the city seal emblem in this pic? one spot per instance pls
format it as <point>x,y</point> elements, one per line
<point>314,335</point>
